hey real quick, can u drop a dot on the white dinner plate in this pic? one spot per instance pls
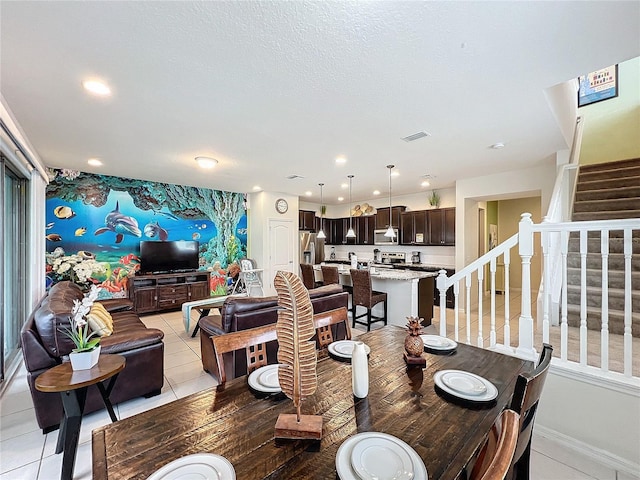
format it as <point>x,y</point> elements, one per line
<point>344,456</point>
<point>344,348</point>
<point>465,385</point>
<point>376,458</point>
<point>265,379</point>
<point>436,342</point>
<point>205,466</point>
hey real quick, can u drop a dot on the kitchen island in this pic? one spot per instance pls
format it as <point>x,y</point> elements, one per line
<point>409,293</point>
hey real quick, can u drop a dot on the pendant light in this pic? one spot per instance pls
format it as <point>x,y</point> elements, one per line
<point>350,233</point>
<point>321,232</point>
<point>390,233</point>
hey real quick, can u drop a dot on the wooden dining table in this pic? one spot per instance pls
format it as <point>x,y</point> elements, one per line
<point>239,424</point>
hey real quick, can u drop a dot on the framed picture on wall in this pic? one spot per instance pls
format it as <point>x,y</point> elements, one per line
<point>493,236</point>
<point>598,86</point>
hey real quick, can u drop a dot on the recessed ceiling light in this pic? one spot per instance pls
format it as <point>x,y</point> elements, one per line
<point>206,162</point>
<point>94,162</point>
<point>340,199</point>
<point>497,146</point>
<point>96,87</point>
<point>256,188</point>
<point>344,185</point>
<point>341,159</point>
<point>425,183</point>
<point>376,192</point>
<point>307,193</point>
<point>395,174</point>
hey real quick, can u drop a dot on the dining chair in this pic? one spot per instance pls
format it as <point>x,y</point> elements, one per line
<point>507,427</point>
<point>308,276</point>
<point>324,322</point>
<point>365,296</point>
<point>330,274</point>
<point>253,341</point>
<point>525,401</point>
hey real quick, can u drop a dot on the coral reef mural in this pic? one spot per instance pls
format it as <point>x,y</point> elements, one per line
<point>95,224</point>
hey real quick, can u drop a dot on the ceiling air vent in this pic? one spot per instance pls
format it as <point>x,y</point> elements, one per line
<point>294,176</point>
<point>416,136</point>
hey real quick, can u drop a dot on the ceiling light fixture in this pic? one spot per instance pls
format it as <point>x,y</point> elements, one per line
<point>340,199</point>
<point>256,188</point>
<point>350,233</point>
<point>376,192</point>
<point>425,183</point>
<point>497,146</point>
<point>308,193</point>
<point>341,159</point>
<point>206,162</point>
<point>94,162</point>
<point>390,233</point>
<point>321,232</point>
<point>96,87</point>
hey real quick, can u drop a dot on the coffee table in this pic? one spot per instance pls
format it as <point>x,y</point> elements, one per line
<point>72,386</point>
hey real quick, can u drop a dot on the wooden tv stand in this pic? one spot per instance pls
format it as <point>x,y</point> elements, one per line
<point>166,291</point>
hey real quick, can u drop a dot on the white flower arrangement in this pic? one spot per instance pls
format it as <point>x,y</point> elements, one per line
<point>78,331</point>
<point>75,268</point>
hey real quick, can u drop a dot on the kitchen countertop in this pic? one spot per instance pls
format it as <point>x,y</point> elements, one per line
<point>390,273</point>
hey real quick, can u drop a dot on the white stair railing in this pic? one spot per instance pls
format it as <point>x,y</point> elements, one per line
<point>546,234</point>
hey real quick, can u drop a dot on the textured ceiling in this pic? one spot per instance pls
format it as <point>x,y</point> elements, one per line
<point>272,89</point>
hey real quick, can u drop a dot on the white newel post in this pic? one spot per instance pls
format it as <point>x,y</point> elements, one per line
<point>440,283</point>
<point>525,240</point>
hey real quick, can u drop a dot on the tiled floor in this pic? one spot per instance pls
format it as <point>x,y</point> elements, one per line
<point>27,454</point>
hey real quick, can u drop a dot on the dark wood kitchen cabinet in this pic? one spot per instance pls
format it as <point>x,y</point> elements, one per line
<point>306,220</point>
<point>364,227</point>
<point>335,231</point>
<point>382,217</point>
<point>441,224</point>
<point>413,228</point>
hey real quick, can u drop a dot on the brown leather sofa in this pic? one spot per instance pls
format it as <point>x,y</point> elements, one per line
<point>44,346</point>
<point>242,313</point>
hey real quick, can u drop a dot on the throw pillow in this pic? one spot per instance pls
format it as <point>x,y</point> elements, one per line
<point>100,321</point>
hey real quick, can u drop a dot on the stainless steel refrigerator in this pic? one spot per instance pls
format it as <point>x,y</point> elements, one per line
<point>311,248</point>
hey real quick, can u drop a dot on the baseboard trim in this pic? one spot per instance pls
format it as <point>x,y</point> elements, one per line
<point>596,454</point>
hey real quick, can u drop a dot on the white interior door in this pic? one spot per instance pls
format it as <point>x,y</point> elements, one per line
<point>282,250</point>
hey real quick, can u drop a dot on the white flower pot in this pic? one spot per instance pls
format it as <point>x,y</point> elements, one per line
<point>84,360</point>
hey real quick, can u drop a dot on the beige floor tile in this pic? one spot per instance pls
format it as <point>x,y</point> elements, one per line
<point>20,450</point>
<point>545,468</point>
<point>18,423</point>
<point>26,472</point>
<point>51,466</point>
<point>15,401</point>
<point>196,385</point>
<point>184,373</point>
<point>179,358</point>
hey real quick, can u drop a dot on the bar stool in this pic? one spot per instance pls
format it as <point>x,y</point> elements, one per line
<point>331,275</point>
<point>364,296</point>
<point>308,276</point>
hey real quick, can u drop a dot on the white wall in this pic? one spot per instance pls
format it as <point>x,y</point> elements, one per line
<point>602,423</point>
<point>261,208</point>
<point>528,182</point>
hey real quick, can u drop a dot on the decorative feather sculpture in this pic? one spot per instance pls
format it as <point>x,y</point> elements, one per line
<point>298,380</point>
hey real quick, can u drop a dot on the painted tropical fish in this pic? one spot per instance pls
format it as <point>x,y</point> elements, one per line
<point>63,212</point>
<point>54,237</point>
<point>242,231</point>
<point>196,236</point>
<point>80,231</point>
<point>119,224</point>
<point>50,225</point>
<point>86,255</point>
<point>152,230</point>
<point>126,260</point>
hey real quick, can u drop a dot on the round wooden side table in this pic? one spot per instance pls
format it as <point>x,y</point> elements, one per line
<point>72,386</point>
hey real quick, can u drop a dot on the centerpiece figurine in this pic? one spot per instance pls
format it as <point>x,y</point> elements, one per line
<point>413,343</point>
<point>296,356</point>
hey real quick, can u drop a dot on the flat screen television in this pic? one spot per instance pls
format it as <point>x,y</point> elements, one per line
<point>167,257</point>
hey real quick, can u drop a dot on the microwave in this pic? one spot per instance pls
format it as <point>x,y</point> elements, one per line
<point>380,239</point>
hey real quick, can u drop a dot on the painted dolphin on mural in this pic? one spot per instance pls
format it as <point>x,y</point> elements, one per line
<point>119,224</point>
<point>155,230</point>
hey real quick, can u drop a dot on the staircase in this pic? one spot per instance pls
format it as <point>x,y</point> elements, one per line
<point>604,192</point>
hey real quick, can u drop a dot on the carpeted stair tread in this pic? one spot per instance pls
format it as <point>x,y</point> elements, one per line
<point>609,193</point>
<point>594,278</point>
<point>616,244</point>
<point>594,320</point>
<point>607,205</point>
<point>608,183</point>
<point>607,215</point>
<point>616,164</point>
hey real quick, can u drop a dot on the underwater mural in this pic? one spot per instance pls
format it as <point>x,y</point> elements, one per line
<point>95,224</point>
